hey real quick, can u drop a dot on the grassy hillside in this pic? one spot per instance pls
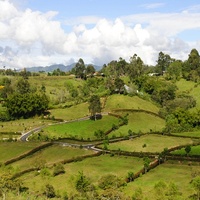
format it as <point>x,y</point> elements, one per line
<point>127,102</point>
<point>140,122</point>
<point>149,143</point>
<point>190,88</point>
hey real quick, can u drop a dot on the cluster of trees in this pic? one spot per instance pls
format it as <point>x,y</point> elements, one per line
<point>153,82</point>
<point>22,100</point>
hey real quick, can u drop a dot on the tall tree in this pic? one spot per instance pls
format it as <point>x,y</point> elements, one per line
<point>94,105</point>
<point>191,67</point>
<point>163,62</point>
<point>80,69</point>
<point>136,67</point>
<point>90,70</point>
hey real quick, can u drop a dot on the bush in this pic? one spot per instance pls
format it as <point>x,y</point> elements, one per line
<point>49,191</point>
<point>58,169</point>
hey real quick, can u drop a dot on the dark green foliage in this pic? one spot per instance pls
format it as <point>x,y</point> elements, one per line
<point>136,67</point>
<point>163,62</point>
<point>191,67</point>
<point>26,105</point>
<point>147,162</point>
<point>182,120</point>
<point>110,181</point>
<point>83,183</point>
<point>94,105</point>
<point>187,149</point>
<point>99,134</point>
<point>49,191</point>
<point>23,86</point>
<point>130,176</point>
<point>79,69</point>
<point>58,169</point>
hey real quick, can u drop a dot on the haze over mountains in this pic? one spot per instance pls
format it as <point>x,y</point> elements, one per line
<point>53,67</point>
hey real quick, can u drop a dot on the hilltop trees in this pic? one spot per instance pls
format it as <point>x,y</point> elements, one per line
<point>191,67</point>
<point>79,69</point>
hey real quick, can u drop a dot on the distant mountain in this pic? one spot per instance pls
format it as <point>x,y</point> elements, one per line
<point>51,68</point>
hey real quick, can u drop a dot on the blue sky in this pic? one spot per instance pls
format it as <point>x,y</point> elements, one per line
<point>41,33</point>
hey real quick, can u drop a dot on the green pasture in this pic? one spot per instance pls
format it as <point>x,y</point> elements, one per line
<point>126,102</point>
<point>190,88</point>
<point>55,85</point>
<point>50,155</point>
<point>195,150</point>
<point>188,134</point>
<point>140,122</point>
<point>149,143</point>
<point>10,150</point>
<point>80,129</point>
<point>196,94</point>
<point>94,168</point>
<point>23,125</point>
<point>180,174</point>
<point>74,112</point>
<point>185,86</point>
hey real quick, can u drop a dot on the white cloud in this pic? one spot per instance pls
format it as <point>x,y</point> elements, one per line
<point>152,5</point>
<point>35,38</point>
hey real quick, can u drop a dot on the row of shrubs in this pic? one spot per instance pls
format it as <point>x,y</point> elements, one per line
<point>32,151</point>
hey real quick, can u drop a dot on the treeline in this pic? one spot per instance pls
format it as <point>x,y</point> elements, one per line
<point>156,83</point>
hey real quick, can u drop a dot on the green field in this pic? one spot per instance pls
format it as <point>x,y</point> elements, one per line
<point>149,143</point>
<point>195,150</point>
<point>74,112</point>
<point>190,88</point>
<point>49,155</point>
<point>127,102</point>
<point>179,174</point>
<point>9,150</point>
<point>188,134</point>
<point>80,129</point>
<point>140,122</point>
<point>93,168</point>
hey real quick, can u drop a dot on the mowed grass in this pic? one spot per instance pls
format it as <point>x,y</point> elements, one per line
<point>127,102</point>
<point>195,150</point>
<point>149,143</point>
<point>80,129</point>
<point>50,155</point>
<point>94,168</point>
<point>10,150</point>
<point>74,112</point>
<point>140,122</point>
<point>188,134</point>
<point>180,174</point>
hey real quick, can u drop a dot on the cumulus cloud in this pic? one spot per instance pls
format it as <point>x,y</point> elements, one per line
<point>32,38</point>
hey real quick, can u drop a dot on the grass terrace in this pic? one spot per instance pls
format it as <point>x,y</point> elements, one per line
<point>140,122</point>
<point>126,102</point>
<point>149,143</point>
<point>50,155</point>
<point>80,129</point>
<point>74,112</point>
<point>195,150</point>
<point>10,150</point>
<point>94,168</point>
<point>180,174</point>
<point>188,134</point>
